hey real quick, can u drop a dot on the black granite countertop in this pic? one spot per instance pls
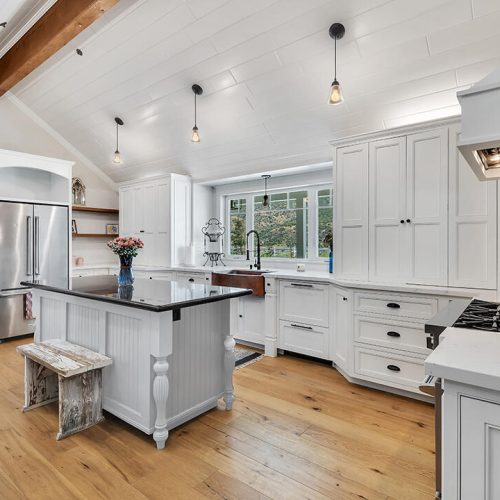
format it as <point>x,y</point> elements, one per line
<point>152,295</point>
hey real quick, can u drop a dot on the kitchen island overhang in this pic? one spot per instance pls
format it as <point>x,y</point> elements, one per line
<point>171,343</point>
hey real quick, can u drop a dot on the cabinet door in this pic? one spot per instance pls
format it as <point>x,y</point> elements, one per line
<point>305,303</point>
<point>427,206</point>
<point>479,449</point>
<point>342,343</point>
<point>473,224</point>
<point>387,233</point>
<point>147,230</point>
<point>351,214</point>
<point>126,211</point>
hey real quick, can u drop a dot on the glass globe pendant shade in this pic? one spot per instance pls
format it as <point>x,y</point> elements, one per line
<point>335,93</point>
<point>117,158</point>
<point>196,136</point>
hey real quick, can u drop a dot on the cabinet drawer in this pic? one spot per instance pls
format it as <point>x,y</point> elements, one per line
<point>396,305</point>
<point>389,368</point>
<point>304,302</point>
<point>81,273</point>
<point>304,339</point>
<point>405,336</point>
<point>155,275</point>
<point>192,278</point>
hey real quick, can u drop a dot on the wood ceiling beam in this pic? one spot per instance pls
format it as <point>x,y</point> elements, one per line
<point>59,25</point>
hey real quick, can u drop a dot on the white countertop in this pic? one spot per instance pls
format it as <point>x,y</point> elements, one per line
<point>325,277</point>
<point>467,356</point>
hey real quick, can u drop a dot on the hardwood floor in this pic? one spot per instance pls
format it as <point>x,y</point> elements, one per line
<point>298,431</point>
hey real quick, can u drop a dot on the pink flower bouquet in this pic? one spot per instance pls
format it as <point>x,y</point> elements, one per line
<point>126,246</point>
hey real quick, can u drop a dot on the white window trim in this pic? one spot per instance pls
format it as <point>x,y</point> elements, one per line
<point>312,236</point>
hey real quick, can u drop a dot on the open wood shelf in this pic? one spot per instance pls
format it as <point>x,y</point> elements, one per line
<point>82,208</point>
<point>94,235</point>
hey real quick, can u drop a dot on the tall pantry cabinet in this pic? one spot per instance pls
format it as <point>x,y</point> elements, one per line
<point>409,210</point>
<point>158,210</point>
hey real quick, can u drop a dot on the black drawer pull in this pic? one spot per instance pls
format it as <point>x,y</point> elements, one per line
<point>191,280</point>
<point>302,327</point>
<point>393,305</point>
<point>393,368</point>
<point>141,231</point>
<point>394,334</point>
<point>303,285</point>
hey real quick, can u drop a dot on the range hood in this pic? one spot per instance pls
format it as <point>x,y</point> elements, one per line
<point>480,137</point>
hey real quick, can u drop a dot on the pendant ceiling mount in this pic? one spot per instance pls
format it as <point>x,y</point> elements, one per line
<point>337,31</point>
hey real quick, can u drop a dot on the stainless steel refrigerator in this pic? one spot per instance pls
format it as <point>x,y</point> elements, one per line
<point>34,245</point>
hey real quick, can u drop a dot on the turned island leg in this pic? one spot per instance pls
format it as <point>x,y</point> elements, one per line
<point>229,361</point>
<point>160,395</point>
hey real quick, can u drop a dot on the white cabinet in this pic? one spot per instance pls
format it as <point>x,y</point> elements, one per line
<point>251,321</point>
<point>305,339</point>
<point>193,277</point>
<point>159,212</point>
<point>388,235</point>
<point>341,348</point>
<point>409,210</point>
<point>473,224</point>
<point>304,302</point>
<point>479,449</point>
<point>351,223</point>
<point>427,206</point>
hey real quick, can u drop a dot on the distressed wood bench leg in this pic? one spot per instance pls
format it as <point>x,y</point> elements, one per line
<point>40,385</point>
<point>80,402</point>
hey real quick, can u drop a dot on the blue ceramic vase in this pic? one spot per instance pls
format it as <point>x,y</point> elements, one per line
<point>126,275</point>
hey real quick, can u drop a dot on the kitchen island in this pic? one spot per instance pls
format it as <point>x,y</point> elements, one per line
<point>171,343</point>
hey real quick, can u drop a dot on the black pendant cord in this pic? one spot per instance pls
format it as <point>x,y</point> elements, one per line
<point>195,110</point>
<point>335,61</point>
<point>117,137</point>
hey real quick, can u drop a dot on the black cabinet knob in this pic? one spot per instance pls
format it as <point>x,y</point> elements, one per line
<point>344,299</point>
<point>393,334</point>
<point>408,220</point>
<point>393,305</point>
<point>393,368</point>
<point>402,221</point>
<point>191,280</point>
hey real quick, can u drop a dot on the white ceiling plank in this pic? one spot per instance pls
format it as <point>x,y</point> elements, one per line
<point>464,34</point>
<point>485,7</point>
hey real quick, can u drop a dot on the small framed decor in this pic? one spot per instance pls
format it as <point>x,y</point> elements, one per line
<point>112,229</point>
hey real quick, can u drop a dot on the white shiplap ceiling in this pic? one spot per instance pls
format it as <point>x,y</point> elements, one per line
<point>266,67</point>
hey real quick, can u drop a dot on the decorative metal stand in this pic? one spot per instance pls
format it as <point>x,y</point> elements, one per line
<point>213,231</point>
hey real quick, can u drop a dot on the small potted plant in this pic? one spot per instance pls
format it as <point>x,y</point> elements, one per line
<point>126,247</point>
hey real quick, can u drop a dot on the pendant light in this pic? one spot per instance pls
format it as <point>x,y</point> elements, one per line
<point>336,31</point>
<point>197,90</point>
<point>265,198</point>
<point>117,158</point>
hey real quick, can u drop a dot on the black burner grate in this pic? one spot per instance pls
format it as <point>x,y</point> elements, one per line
<point>480,315</point>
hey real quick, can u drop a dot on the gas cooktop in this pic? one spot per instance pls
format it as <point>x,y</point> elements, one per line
<point>480,315</point>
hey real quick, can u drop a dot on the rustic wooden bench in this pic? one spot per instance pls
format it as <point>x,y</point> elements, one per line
<point>59,370</point>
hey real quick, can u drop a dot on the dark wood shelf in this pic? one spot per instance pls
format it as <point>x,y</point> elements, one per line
<point>94,235</point>
<point>82,208</point>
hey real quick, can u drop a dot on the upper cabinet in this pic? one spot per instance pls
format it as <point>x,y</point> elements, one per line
<point>159,212</point>
<point>472,222</point>
<point>387,200</point>
<point>427,206</point>
<point>351,209</point>
<point>410,210</point>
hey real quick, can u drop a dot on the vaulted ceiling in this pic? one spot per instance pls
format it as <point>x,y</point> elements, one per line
<point>266,67</point>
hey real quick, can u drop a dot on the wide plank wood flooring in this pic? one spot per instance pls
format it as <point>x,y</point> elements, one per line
<point>298,431</point>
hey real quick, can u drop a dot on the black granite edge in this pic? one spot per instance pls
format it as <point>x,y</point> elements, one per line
<point>447,316</point>
<point>140,305</point>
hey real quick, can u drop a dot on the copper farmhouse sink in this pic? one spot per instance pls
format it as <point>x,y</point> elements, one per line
<point>241,278</point>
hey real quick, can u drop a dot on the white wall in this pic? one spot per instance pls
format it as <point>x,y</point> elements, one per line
<point>21,130</point>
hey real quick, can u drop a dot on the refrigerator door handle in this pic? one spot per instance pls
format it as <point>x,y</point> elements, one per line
<point>37,246</point>
<point>29,249</point>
